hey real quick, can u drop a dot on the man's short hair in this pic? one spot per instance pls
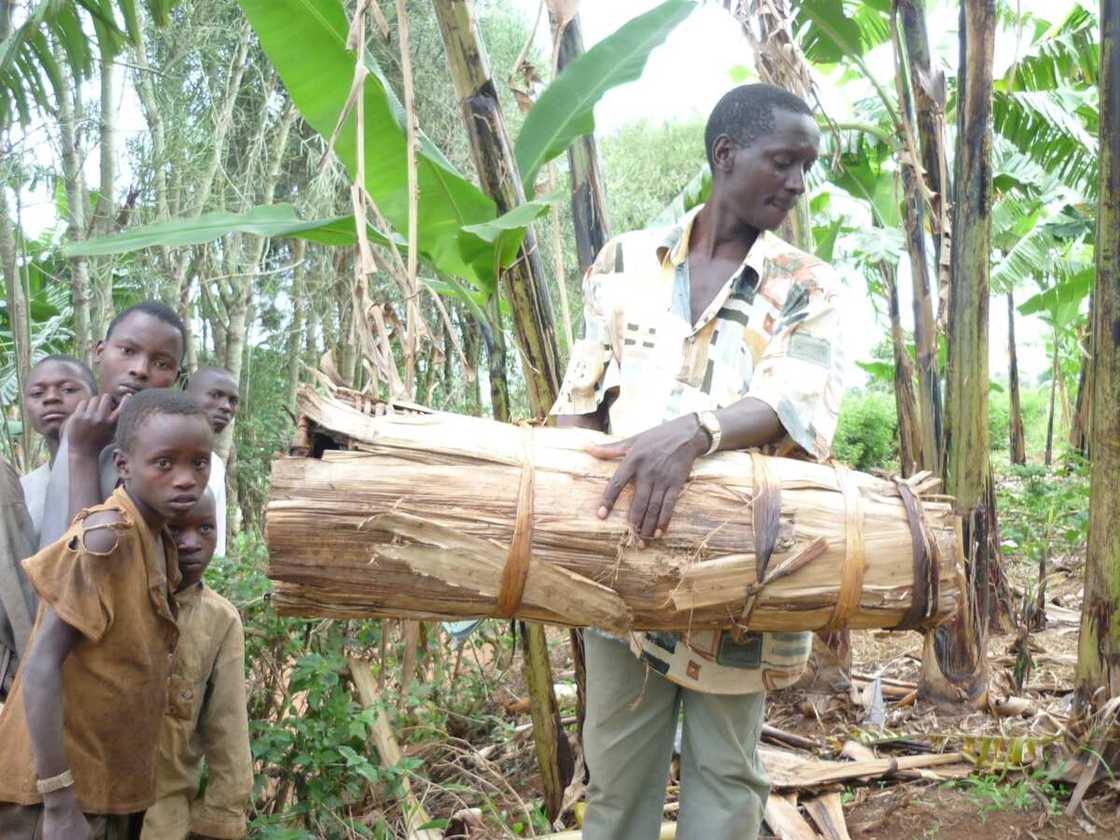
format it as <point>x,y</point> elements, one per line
<point>206,370</point>
<point>142,406</point>
<point>84,373</point>
<point>745,113</point>
<point>156,310</point>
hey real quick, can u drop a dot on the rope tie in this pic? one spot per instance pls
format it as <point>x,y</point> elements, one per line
<point>851,582</point>
<point>766,510</point>
<point>926,590</point>
<point>516,570</point>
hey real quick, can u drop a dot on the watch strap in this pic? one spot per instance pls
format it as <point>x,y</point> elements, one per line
<point>709,422</point>
<point>63,780</point>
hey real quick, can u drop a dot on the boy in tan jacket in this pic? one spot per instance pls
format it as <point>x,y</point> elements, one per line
<point>206,716</point>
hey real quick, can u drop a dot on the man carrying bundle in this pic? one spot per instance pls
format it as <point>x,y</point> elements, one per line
<point>711,335</point>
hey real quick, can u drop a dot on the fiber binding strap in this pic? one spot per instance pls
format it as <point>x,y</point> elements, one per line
<point>766,509</point>
<point>516,570</point>
<point>926,590</point>
<point>851,581</point>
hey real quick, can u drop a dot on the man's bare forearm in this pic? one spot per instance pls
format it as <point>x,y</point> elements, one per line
<point>748,423</point>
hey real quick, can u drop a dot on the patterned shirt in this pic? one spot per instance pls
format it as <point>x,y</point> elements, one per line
<point>772,332</point>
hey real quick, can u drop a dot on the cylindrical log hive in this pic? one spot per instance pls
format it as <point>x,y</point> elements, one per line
<point>413,516</point>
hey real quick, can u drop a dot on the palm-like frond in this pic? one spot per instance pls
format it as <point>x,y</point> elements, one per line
<point>831,30</point>
<point>1067,55</point>
<point>1054,129</point>
<point>30,75</point>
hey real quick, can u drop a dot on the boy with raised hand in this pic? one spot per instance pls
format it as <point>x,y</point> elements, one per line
<point>207,715</point>
<point>80,727</point>
<point>217,393</point>
<point>142,349</point>
<point>55,388</point>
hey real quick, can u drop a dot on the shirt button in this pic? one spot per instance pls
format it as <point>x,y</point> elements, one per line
<point>186,694</point>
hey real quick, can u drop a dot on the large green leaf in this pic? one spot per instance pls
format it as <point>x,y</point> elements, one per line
<point>306,43</point>
<point>565,110</point>
<point>861,178</point>
<point>832,30</point>
<point>30,78</point>
<point>493,245</point>
<point>695,192</point>
<point>1055,129</point>
<point>1069,54</point>
<point>1062,301</point>
<point>270,220</point>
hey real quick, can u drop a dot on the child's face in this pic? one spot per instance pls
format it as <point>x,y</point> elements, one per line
<point>217,394</point>
<point>196,535</point>
<point>53,391</point>
<point>143,352</point>
<point>167,467</point>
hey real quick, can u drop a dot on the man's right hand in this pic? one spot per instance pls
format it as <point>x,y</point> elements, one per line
<point>91,426</point>
<point>63,818</point>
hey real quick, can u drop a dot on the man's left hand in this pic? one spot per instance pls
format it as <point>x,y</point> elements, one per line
<point>658,462</point>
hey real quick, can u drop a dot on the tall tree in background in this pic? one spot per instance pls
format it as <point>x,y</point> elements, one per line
<point>921,113</point>
<point>1017,442</point>
<point>1098,654</point>
<point>589,201</point>
<point>955,665</point>
<point>524,286</point>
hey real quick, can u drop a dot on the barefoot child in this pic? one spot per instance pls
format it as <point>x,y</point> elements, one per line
<point>217,393</point>
<point>80,727</point>
<point>55,388</point>
<point>207,716</point>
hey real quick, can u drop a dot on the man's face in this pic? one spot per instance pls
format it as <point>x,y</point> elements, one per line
<point>167,466</point>
<point>53,391</point>
<point>767,178</point>
<point>143,352</point>
<point>196,536</point>
<point>217,394</point>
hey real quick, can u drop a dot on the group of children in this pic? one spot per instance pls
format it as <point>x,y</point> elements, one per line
<point>121,673</point>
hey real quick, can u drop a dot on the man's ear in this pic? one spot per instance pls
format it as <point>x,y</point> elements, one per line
<point>97,349</point>
<point>723,154</point>
<point>120,461</point>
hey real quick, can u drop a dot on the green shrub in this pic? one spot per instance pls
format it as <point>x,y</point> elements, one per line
<point>1034,404</point>
<point>867,432</point>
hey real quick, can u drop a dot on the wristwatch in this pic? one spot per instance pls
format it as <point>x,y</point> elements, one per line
<point>63,780</point>
<point>709,422</point>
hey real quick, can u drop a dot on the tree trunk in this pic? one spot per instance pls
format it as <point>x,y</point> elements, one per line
<point>1015,421</point>
<point>295,329</point>
<point>906,406</point>
<point>929,89</point>
<point>526,291</point>
<point>75,214</point>
<point>589,200</point>
<point>1054,373</point>
<point>19,321</point>
<point>925,325</point>
<point>104,213</point>
<point>955,665</point>
<point>1098,650</point>
<point>1080,430</point>
<point>524,282</point>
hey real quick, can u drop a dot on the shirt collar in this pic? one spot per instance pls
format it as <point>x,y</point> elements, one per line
<point>673,247</point>
<point>191,593</point>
